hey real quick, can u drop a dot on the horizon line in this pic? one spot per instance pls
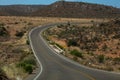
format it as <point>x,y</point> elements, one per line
<point>58,1</point>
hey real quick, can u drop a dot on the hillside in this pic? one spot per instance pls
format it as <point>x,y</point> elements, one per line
<point>96,45</point>
<point>78,10</point>
<point>14,45</point>
<point>62,9</point>
<point>19,10</point>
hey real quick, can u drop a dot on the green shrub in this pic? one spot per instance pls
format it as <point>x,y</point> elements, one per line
<point>76,53</point>
<point>3,31</point>
<point>21,64</point>
<point>101,58</point>
<point>28,68</point>
<point>30,61</point>
<point>72,43</point>
<point>27,64</point>
<point>19,34</point>
<point>27,42</point>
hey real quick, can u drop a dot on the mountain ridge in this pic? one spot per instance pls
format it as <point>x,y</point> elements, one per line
<point>62,9</point>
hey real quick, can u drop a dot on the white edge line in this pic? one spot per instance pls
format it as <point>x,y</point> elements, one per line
<point>71,61</point>
<point>31,44</point>
<point>40,64</point>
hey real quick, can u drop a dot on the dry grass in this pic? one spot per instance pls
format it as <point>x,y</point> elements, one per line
<point>13,24</point>
<point>111,56</point>
<point>14,72</point>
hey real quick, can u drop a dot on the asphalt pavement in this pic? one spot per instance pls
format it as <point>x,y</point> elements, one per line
<point>54,66</point>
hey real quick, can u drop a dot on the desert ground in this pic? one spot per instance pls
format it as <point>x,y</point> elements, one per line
<point>15,51</point>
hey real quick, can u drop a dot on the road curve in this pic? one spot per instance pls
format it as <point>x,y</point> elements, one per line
<point>54,66</point>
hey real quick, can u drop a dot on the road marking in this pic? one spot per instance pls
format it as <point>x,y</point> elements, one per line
<point>40,64</point>
<point>83,73</point>
<point>90,77</point>
<point>71,60</point>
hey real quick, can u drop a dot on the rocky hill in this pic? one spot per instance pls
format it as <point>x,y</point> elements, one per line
<point>62,9</point>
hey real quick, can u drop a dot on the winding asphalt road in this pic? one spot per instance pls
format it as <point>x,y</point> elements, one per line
<point>54,66</point>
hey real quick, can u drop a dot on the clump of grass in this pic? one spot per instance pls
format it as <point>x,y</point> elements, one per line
<point>76,53</point>
<point>101,58</point>
<point>3,75</point>
<point>28,64</point>
<point>13,72</point>
<point>27,42</point>
<point>19,34</point>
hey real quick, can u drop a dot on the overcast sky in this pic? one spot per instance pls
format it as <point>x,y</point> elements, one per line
<point>115,3</point>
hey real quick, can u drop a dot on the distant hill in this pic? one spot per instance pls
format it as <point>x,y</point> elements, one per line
<point>19,10</point>
<point>62,9</point>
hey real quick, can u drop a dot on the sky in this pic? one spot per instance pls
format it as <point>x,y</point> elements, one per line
<point>115,3</point>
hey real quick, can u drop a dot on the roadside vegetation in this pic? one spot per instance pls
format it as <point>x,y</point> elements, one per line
<point>16,58</point>
<point>96,45</point>
<point>76,53</point>
<point>28,64</point>
<point>3,75</point>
